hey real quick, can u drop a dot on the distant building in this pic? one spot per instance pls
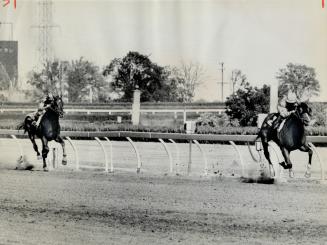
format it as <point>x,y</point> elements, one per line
<point>9,60</point>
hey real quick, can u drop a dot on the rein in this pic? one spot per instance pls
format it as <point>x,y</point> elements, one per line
<point>54,108</point>
<point>298,115</point>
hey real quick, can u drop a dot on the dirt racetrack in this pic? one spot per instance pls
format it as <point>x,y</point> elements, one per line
<point>87,207</point>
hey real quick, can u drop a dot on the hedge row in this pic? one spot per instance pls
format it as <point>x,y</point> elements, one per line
<point>114,126</point>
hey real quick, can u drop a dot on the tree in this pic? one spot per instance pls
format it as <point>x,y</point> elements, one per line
<point>48,79</point>
<point>82,77</point>
<point>300,78</point>
<point>319,114</point>
<point>246,103</point>
<point>187,78</point>
<point>85,82</point>
<point>137,69</point>
<point>238,79</point>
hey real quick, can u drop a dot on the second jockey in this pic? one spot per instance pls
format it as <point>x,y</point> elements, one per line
<point>285,107</point>
<point>43,106</point>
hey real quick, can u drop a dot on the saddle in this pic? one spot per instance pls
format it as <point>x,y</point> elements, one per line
<point>277,122</point>
<point>281,125</point>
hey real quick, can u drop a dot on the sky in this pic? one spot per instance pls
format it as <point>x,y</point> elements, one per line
<point>256,36</point>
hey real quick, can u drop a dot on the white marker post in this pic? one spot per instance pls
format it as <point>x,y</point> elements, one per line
<point>189,127</point>
<point>273,97</point>
<point>136,107</point>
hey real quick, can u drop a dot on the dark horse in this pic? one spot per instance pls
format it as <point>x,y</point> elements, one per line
<point>291,137</point>
<point>49,129</point>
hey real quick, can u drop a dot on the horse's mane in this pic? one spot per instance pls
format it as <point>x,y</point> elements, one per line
<point>304,107</point>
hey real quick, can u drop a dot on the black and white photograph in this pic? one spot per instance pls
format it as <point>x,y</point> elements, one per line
<point>163,122</point>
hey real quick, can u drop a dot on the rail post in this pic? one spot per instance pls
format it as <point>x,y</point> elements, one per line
<point>239,155</point>
<point>75,152</point>
<point>204,157</point>
<point>111,161</point>
<point>184,115</point>
<point>169,155</point>
<point>189,166</point>
<point>177,155</point>
<point>19,146</point>
<point>104,154</point>
<point>54,157</point>
<point>322,167</point>
<point>138,170</point>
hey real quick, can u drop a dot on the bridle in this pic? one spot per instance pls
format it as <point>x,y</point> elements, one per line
<point>300,115</point>
<point>55,108</point>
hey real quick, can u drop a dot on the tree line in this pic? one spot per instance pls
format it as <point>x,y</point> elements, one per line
<point>83,81</point>
<point>247,101</point>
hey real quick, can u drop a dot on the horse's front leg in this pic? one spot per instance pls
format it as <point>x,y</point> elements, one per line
<point>45,150</point>
<point>306,148</point>
<point>32,138</point>
<point>286,155</point>
<point>64,155</point>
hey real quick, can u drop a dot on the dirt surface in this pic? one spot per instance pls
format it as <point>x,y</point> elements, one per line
<point>86,207</point>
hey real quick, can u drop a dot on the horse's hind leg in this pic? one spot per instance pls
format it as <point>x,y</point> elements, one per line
<point>64,155</point>
<point>306,148</point>
<point>267,155</point>
<point>32,138</point>
<point>45,150</point>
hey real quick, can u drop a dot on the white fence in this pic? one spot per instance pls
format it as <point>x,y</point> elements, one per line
<point>163,138</point>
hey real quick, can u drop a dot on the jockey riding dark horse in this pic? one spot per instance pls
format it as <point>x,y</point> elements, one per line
<point>286,129</point>
<point>43,106</point>
<point>45,125</point>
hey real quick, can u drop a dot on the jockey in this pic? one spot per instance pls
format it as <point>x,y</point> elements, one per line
<point>286,106</point>
<point>45,104</point>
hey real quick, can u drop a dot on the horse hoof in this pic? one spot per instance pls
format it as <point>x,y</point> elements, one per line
<point>307,174</point>
<point>39,157</point>
<point>283,164</point>
<point>45,169</point>
<point>64,162</point>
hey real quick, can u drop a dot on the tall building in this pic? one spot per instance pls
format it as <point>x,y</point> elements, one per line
<point>9,60</point>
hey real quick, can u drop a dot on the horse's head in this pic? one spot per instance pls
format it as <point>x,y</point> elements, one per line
<point>304,111</point>
<point>58,106</point>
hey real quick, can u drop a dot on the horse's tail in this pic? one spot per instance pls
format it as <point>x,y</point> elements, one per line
<point>250,150</point>
<point>21,126</point>
<point>26,124</point>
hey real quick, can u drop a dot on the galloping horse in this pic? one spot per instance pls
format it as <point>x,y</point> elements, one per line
<point>290,137</point>
<point>49,129</point>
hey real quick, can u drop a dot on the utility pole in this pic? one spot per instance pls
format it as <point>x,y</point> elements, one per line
<point>222,80</point>
<point>233,81</point>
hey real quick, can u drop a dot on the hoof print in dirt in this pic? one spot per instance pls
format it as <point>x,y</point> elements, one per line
<point>259,180</point>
